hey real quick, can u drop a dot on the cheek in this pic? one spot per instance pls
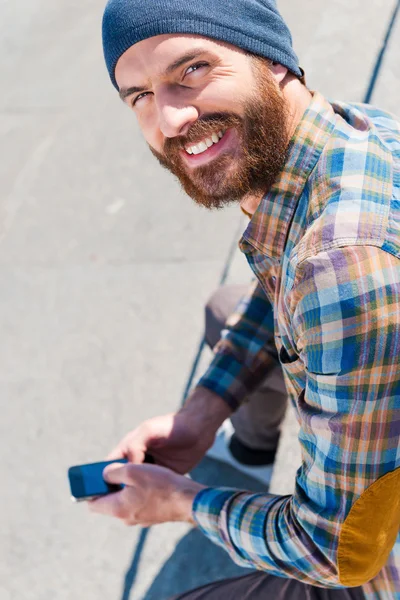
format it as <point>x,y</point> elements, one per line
<point>222,96</point>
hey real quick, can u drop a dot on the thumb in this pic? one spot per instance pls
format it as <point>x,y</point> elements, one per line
<point>117,474</point>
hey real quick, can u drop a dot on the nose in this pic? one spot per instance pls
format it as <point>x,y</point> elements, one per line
<point>175,116</point>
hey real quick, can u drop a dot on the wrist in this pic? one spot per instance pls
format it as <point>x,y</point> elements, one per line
<point>186,499</point>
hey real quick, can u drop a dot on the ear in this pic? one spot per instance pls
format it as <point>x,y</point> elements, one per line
<point>278,71</point>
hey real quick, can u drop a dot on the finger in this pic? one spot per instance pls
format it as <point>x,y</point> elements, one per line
<point>110,505</point>
<point>131,449</point>
<point>133,456</point>
<point>133,474</point>
<point>116,454</point>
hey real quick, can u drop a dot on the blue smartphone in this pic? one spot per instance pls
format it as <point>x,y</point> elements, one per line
<point>86,481</point>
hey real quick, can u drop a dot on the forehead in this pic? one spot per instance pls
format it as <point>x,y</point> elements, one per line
<point>153,55</point>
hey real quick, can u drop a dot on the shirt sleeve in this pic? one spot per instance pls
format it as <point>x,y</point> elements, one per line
<point>345,321</point>
<point>246,352</point>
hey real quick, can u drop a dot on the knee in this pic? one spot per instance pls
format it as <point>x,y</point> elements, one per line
<point>221,304</point>
<point>214,319</point>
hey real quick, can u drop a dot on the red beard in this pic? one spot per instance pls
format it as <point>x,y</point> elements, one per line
<point>256,162</point>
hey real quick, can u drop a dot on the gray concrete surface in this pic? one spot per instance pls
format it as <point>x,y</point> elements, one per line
<point>104,270</point>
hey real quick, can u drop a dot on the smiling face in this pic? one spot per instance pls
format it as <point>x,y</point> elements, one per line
<point>211,114</point>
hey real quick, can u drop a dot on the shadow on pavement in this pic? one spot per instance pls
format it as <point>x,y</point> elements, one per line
<point>195,560</point>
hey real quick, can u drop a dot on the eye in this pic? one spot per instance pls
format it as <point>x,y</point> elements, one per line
<point>139,97</point>
<point>195,67</point>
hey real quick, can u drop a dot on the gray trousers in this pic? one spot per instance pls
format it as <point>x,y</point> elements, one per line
<point>261,586</point>
<point>257,424</point>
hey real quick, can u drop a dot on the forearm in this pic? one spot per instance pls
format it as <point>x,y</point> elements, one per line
<point>206,408</point>
<point>206,411</point>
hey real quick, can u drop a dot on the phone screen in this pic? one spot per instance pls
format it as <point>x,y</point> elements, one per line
<point>86,481</point>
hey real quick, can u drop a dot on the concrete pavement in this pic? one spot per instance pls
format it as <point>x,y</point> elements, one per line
<point>104,270</point>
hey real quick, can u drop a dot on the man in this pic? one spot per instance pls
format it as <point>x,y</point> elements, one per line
<point>222,103</point>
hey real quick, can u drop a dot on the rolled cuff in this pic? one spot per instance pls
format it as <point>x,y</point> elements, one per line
<point>233,381</point>
<point>224,515</point>
<point>208,508</point>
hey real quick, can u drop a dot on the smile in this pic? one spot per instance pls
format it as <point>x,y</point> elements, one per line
<point>202,146</point>
<point>210,148</point>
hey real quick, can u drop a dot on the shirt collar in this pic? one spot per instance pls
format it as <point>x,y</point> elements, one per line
<point>269,226</point>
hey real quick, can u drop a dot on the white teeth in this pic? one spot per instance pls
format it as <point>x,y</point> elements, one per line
<point>202,146</point>
<point>205,144</point>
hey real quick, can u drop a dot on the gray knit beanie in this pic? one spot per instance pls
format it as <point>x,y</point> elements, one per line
<point>253,25</point>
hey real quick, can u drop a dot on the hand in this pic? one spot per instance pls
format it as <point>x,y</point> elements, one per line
<point>178,440</point>
<point>151,495</point>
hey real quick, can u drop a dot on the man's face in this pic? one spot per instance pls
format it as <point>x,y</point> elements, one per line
<point>211,114</point>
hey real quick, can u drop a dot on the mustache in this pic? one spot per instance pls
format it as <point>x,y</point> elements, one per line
<point>205,125</point>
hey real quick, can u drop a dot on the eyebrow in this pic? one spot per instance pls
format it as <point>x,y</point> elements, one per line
<point>179,62</point>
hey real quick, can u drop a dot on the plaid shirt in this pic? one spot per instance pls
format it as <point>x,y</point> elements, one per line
<point>324,244</point>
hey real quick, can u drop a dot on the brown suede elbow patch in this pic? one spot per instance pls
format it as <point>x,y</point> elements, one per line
<point>370,531</point>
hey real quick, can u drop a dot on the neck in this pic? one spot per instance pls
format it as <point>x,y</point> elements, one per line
<point>298,99</point>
